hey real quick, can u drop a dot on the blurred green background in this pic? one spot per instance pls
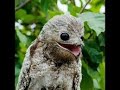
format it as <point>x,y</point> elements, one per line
<point>31,15</point>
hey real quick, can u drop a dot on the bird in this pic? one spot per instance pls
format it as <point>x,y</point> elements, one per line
<point>53,59</point>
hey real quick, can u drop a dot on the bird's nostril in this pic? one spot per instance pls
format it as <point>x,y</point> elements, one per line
<point>64,36</point>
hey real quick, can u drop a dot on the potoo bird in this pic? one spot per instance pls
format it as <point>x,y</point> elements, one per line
<point>53,60</point>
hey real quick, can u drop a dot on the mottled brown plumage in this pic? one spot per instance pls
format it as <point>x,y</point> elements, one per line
<point>52,60</point>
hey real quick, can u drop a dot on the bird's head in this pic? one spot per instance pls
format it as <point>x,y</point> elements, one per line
<point>63,34</point>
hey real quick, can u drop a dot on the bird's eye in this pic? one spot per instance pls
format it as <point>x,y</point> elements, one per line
<point>64,36</point>
<point>82,37</point>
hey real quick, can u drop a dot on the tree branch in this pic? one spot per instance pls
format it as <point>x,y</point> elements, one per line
<point>85,6</point>
<point>21,5</point>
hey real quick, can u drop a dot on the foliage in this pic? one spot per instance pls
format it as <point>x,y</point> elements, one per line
<point>30,19</point>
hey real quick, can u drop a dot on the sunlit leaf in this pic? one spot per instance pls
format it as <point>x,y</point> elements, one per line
<point>96,84</point>
<point>86,36</point>
<point>28,18</point>
<point>73,9</point>
<point>53,13</point>
<point>95,21</point>
<point>20,14</point>
<point>21,37</point>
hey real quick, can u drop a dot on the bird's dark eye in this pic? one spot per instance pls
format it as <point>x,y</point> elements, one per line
<point>82,37</point>
<point>64,36</point>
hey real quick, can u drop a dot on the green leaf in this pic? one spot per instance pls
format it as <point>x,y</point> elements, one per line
<point>21,56</point>
<point>23,39</point>
<point>64,1</point>
<point>46,5</point>
<point>96,21</point>
<point>92,43</point>
<point>87,82</point>
<point>73,9</point>
<point>28,18</point>
<point>96,5</point>
<point>53,13</point>
<point>101,70</point>
<point>17,2</point>
<point>95,55</point>
<point>17,71</point>
<point>86,36</point>
<point>20,14</point>
<point>101,39</point>
<point>87,28</point>
<point>96,84</point>
<point>94,74</point>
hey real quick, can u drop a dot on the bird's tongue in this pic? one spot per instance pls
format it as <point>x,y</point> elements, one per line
<point>74,49</point>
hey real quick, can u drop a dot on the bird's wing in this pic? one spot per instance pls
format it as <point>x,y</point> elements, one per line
<point>24,79</point>
<point>76,85</point>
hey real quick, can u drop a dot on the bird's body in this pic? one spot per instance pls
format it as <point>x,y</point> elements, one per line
<point>52,60</point>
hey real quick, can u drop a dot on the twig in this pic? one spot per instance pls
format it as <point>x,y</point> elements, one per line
<point>81,3</point>
<point>21,5</point>
<point>85,6</point>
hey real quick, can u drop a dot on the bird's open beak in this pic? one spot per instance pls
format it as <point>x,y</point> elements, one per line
<point>74,49</point>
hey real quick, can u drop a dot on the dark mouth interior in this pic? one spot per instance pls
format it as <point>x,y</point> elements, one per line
<point>73,48</point>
